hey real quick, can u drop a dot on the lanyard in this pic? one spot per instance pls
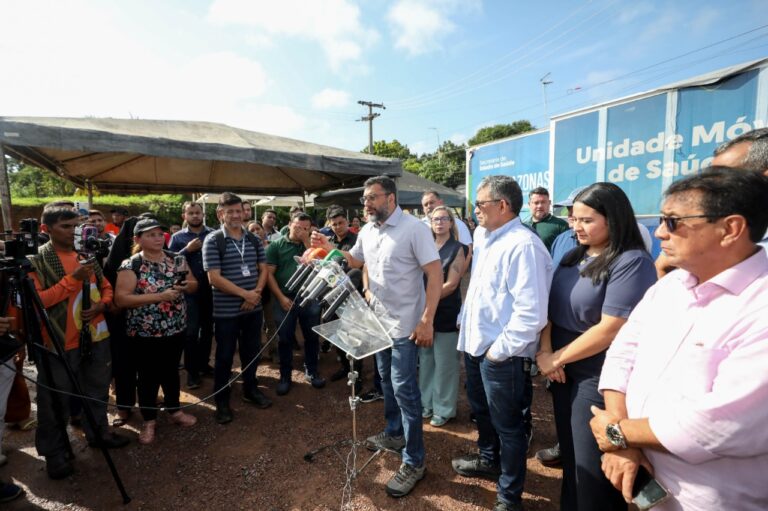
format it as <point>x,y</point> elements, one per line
<point>241,249</point>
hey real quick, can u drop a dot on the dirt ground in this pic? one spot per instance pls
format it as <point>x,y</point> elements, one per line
<point>256,462</point>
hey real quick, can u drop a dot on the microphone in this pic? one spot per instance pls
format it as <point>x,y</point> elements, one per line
<point>323,278</point>
<point>304,268</point>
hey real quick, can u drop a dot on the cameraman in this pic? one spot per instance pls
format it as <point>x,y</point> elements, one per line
<point>59,278</point>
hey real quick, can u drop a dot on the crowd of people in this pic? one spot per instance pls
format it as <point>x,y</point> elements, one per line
<point>654,364</point>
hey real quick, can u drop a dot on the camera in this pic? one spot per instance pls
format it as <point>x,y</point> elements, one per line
<point>21,244</point>
<point>88,243</point>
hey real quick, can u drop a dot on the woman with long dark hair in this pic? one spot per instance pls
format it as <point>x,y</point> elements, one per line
<point>439,364</point>
<point>594,289</point>
<point>149,288</point>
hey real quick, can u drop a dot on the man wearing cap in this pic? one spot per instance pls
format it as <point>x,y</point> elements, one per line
<point>546,225</point>
<point>119,215</point>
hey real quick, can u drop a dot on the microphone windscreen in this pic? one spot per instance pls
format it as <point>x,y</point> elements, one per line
<point>356,277</point>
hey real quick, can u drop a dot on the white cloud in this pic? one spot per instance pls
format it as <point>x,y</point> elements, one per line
<point>704,20</point>
<point>335,24</point>
<point>419,26</point>
<point>330,98</point>
<point>458,138</point>
<point>633,12</point>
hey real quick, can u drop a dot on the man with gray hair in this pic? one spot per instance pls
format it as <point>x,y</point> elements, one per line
<point>505,309</point>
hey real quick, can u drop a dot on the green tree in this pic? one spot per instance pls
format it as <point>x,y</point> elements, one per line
<point>491,133</point>
<point>392,149</point>
<point>446,172</point>
<point>29,181</point>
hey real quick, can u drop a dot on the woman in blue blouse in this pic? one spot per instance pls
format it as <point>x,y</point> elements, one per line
<point>594,289</point>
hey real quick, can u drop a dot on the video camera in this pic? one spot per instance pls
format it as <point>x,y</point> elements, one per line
<point>88,243</point>
<point>20,244</point>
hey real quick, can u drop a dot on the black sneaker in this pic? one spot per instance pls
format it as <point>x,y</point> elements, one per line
<point>208,370</point>
<point>473,465</point>
<point>283,387</point>
<point>223,414</point>
<point>371,396</point>
<point>194,382</point>
<point>550,457</point>
<point>58,467</point>
<point>315,379</point>
<point>9,492</point>
<point>110,441</point>
<point>257,398</point>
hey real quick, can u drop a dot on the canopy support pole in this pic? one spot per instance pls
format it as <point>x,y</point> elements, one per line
<point>89,187</point>
<point>5,192</point>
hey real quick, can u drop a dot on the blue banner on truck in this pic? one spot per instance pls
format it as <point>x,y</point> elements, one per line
<point>645,144</point>
<point>524,157</point>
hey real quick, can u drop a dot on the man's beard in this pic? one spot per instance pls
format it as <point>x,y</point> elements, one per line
<point>198,224</point>
<point>380,215</point>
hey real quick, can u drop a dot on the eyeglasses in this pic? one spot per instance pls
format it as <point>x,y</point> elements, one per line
<point>440,219</point>
<point>372,197</point>
<point>482,203</point>
<point>670,222</point>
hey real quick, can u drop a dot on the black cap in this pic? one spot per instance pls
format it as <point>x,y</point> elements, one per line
<point>120,210</point>
<point>146,225</point>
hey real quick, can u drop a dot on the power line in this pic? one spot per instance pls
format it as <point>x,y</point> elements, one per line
<point>435,96</point>
<point>484,69</point>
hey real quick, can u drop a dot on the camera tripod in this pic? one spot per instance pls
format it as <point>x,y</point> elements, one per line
<point>36,321</point>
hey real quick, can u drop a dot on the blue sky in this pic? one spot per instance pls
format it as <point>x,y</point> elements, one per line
<point>297,67</point>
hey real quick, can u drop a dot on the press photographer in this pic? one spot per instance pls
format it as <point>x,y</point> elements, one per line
<point>59,276</point>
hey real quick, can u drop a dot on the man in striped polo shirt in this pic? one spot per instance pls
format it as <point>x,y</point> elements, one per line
<point>236,267</point>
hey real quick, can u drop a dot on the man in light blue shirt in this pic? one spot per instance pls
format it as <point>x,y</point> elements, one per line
<point>504,311</point>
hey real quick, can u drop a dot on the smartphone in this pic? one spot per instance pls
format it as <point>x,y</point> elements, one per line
<point>646,491</point>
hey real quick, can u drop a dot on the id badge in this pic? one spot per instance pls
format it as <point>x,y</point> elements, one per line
<point>245,270</point>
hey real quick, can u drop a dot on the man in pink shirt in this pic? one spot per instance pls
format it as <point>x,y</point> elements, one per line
<point>686,380</point>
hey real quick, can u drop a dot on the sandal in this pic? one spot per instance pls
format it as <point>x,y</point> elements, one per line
<point>27,424</point>
<point>183,419</point>
<point>122,418</point>
<point>147,435</point>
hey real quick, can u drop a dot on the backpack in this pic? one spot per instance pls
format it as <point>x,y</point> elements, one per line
<point>221,241</point>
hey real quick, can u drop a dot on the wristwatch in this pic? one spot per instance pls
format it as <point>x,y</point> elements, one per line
<point>614,435</point>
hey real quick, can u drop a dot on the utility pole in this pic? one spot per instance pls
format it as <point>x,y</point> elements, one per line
<point>544,83</point>
<point>370,117</point>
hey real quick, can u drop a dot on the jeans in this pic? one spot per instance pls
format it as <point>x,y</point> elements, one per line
<point>497,396</point>
<point>307,317</point>
<point>197,350</point>
<point>402,399</point>
<point>244,329</point>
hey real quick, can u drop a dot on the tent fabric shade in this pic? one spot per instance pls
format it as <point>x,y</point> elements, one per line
<point>135,156</point>
<point>410,188</point>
